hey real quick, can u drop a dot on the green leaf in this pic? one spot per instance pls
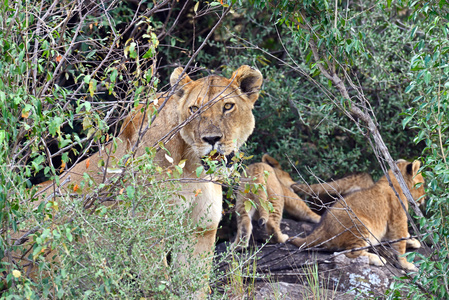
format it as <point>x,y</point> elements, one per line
<point>150,53</point>
<point>91,53</point>
<point>199,171</point>
<point>406,121</point>
<point>86,79</point>
<point>248,205</point>
<point>69,234</point>
<point>2,136</point>
<point>412,33</point>
<point>132,50</point>
<point>427,77</point>
<point>410,88</point>
<point>54,126</point>
<point>114,74</point>
<point>179,169</point>
<point>36,251</point>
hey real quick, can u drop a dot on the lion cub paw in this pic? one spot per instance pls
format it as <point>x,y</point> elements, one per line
<point>376,260</point>
<point>282,238</point>
<point>413,243</point>
<point>408,266</point>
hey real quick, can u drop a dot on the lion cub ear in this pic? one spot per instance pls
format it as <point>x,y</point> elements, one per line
<point>416,166</point>
<point>249,81</point>
<point>412,168</point>
<point>271,161</point>
<point>184,80</point>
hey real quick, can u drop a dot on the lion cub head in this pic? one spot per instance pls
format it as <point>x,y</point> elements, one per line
<point>218,110</point>
<point>282,176</point>
<point>414,180</point>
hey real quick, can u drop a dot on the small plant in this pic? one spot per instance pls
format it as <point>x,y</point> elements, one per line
<point>317,287</point>
<point>240,274</point>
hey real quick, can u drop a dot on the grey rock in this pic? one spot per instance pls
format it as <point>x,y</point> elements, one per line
<point>294,291</point>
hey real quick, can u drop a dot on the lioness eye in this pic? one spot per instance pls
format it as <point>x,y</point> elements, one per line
<point>193,109</point>
<point>228,106</point>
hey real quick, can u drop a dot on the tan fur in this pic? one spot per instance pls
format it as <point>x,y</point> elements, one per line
<point>369,216</point>
<point>211,127</point>
<point>278,193</point>
<point>326,193</point>
<point>345,185</point>
<point>323,195</point>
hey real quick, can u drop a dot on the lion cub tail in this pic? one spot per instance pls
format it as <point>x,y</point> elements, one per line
<point>316,238</point>
<point>345,185</point>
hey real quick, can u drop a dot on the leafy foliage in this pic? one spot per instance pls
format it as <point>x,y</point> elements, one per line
<point>81,67</point>
<point>429,116</point>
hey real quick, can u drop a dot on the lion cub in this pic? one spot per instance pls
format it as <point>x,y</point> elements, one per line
<point>326,193</point>
<point>277,192</point>
<point>368,216</point>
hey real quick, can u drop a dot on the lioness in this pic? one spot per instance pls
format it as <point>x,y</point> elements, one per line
<point>277,192</point>
<point>369,216</point>
<point>213,114</point>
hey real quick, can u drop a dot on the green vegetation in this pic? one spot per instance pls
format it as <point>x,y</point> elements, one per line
<point>71,71</point>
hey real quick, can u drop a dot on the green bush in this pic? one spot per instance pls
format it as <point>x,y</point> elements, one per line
<point>429,116</point>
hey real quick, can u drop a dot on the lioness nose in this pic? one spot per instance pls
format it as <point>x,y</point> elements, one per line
<point>212,139</point>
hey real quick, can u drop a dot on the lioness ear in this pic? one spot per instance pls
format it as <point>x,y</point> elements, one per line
<point>271,161</point>
<point>184,80</point>
<point>249,81</point>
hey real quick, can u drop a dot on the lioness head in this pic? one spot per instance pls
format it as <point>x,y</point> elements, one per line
<point>218,110</point>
